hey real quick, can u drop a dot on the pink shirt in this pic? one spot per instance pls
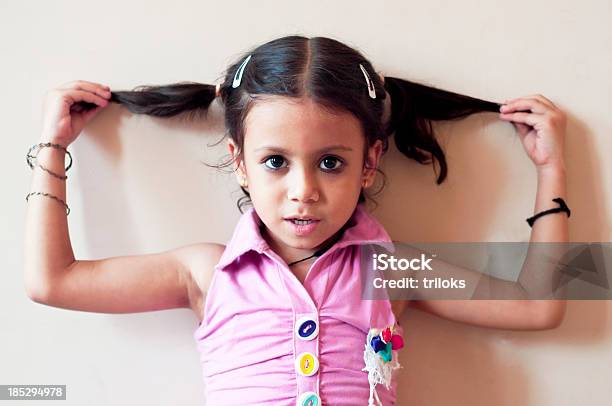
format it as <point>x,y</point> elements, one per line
<point>248,342</point>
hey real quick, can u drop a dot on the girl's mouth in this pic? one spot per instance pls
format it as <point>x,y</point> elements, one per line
<point>302,227</point>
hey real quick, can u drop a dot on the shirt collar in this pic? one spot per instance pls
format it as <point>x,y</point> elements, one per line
<point>361,228</point>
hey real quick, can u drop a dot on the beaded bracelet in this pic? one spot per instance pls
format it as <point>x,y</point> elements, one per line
<point>31,164</point>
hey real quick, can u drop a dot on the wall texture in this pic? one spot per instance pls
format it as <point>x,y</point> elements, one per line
<point>137,185</point>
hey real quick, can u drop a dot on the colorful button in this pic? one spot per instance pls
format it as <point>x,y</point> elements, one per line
<point>306,328</point>
<point>309,399</point>
<point>306,364</point>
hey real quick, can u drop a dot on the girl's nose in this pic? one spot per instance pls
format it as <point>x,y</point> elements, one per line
<point>303,188</point>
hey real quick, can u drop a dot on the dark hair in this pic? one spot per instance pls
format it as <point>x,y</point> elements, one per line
<point>328,72</point>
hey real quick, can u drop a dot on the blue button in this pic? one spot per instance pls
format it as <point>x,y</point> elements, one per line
<point>309,399</point>
<point>306,328</point>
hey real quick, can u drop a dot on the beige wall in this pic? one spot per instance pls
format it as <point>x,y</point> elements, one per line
<point>137,186</point>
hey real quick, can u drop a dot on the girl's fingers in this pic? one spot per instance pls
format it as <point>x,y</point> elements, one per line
<point>523,129</point>
<point>535,109</point>
<point>88,115</point>
<point>101,90</point>
<point>525,118</point>
<point>94,88</point>
<point>78,95</point>
<point>533,105</point>
<point>543,100</point>
<point>538,97</point>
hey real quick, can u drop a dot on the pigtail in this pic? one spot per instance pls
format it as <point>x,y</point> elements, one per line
<point>167,100</point>
<point>414,106</point>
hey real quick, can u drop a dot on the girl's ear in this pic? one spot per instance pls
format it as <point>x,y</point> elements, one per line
<point>238,164</point>
<point>371,163</point>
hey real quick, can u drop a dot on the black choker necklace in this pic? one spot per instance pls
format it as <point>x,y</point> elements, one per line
<point>320,251</point>
<point>317,253</point>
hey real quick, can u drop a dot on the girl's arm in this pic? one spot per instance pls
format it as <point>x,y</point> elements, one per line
<point>171,279</point>
<point>542,132</point>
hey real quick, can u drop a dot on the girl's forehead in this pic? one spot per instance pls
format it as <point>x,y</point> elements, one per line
<point>301,123</point>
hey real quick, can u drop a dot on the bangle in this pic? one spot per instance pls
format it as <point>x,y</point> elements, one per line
<point>562,207</point>
<point>47,144</point>
<point>51,196</point>
<point>29,157</point>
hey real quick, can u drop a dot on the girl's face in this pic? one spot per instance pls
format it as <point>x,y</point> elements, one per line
<point>301,161</point>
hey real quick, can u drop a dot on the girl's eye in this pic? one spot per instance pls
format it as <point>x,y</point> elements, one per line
<point>330,163</point>
<point>274,162</point>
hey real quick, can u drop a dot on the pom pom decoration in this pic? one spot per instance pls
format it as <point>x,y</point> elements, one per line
<point>397,342</point>
<point>386,335</point>
<point>386,354</point>
<point>377,344</point>
<point>380,362</point>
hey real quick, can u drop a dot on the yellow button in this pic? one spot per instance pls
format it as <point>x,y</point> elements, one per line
<point>309,399</point>
<point>306,364</point>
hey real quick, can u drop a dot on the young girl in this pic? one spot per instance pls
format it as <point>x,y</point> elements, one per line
<point>282,319</point>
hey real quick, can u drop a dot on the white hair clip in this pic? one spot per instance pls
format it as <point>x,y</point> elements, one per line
<point>371,90</point>
<point>238,75</point>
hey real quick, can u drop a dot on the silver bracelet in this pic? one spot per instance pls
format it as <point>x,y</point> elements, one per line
<point>29,157</point>
<point>51,196</point>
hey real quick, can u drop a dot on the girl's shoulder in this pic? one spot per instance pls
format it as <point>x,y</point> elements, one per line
<point>200,259</point>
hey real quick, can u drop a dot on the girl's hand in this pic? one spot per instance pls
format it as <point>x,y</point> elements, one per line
<point>67,109</point>
<point>541,127</point>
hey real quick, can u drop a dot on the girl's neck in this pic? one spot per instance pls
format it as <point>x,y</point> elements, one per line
<point>291,254</point>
